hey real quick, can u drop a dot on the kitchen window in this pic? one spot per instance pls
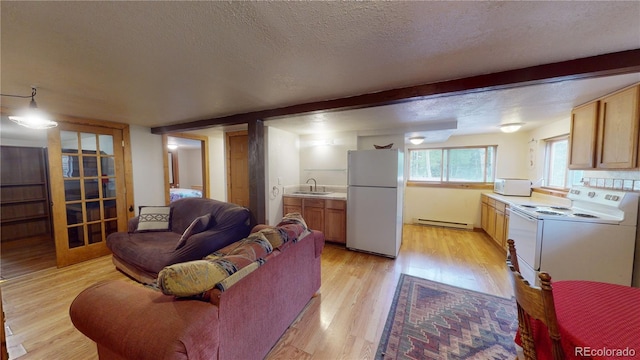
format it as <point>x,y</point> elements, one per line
<point>557,174</point>
<point>453,165</point>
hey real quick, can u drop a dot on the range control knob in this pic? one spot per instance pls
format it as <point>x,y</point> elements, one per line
<point>615,197</point>
<point>591,194</point>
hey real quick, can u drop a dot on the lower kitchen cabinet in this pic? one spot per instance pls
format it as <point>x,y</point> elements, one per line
<point>494,219</point>
<point>326,215</point>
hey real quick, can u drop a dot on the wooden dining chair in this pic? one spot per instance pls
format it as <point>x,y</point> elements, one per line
<point>534,303</point>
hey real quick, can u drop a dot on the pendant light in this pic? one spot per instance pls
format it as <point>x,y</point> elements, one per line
<point>32,117</point>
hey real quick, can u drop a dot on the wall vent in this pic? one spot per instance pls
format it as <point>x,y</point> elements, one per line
<point>449,224</point>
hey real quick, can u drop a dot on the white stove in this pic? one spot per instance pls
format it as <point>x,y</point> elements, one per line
<point>589,205</point>
<point>592,238</point>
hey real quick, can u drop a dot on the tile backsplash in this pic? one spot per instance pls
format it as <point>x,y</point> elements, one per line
<point>610,183</point>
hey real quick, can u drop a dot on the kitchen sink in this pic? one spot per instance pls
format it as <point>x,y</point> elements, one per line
<point>319,193</point>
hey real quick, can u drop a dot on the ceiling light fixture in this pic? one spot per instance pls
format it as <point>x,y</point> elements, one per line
<point>32,117</point>
<point>172,146</point>
<point>416,140</point>
<point>511,127</point>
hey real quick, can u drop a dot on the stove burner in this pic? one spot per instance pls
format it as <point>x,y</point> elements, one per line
<point>545,212</point>
<point>585,215</point>
<point>529,206</point>
<point>560,208</point>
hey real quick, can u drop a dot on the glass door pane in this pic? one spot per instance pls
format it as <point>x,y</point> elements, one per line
<point>90,185</point>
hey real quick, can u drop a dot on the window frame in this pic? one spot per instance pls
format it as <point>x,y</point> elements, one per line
<point>547,163</point>
<point>446,159</point>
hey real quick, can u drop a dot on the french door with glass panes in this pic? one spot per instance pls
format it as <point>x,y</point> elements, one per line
<point>87,189</point>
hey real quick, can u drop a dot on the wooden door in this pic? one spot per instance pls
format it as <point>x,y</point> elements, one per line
<point>87,189</point>
<point>238,168</point>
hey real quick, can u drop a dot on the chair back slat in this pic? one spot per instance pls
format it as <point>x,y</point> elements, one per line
<point>533,303</point>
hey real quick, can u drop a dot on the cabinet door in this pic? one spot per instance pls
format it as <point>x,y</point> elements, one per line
<point>291,205</point>
<point>291,209</point>
<point>582,142</point>
<point>618,130</point>
<point>499,231</point>
<point>506,229</point>
<point>335,226</point>
<point>491,222</point>
<point>484,217</point>
<point>314,217</point>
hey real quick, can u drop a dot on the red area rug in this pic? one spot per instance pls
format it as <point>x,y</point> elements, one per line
<point>430,320</point>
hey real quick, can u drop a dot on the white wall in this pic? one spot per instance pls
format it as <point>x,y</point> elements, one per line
<point>462,205</point>
<point>190,167</point>
<point>148,168</point>
<point>282,169</point>
<point>368,142</point>
<point>327,163</point>
<point>217,167</point>
<point>536,145</point>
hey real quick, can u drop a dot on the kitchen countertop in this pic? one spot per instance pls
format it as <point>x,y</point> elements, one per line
<point>331,196</point>
<point>534,199</point>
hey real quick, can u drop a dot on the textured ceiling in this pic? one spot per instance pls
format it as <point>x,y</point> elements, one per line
<point>161,63</point>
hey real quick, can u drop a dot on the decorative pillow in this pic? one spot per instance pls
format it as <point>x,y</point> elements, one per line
<point>198,225</point>
<point>154,218</point>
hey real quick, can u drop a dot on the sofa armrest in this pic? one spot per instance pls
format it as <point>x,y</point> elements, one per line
<point>139,323</point>
<point>318,238</point>
<point>132,224</point>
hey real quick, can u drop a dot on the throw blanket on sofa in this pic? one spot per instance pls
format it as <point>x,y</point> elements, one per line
<point>230,264</point>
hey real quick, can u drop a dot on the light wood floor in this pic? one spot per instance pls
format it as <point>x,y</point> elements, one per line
<point>344,322</point>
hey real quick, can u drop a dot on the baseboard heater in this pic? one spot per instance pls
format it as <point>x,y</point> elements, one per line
<point>449,224</point>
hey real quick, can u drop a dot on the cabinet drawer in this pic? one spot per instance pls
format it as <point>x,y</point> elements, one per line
<point>314,203</point>
<point>500,206</point>
<point>292,200</point>
<point>485,199</point>
<point>335,204</point>
<point>491,202</point>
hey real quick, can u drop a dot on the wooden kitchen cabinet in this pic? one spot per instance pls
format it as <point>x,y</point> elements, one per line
<point>582,142</point>
<point>335,221</point>
<point>494,219</point>
<point>617,146</point>
<point>313,213</point>
<point>604,132</point>
<point>292,204</point>
<point>326,215</point>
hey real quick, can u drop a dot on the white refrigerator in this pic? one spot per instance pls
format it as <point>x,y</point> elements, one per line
<point>374,201</point>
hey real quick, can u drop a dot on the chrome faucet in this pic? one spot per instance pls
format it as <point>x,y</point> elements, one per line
<point>315,184</point>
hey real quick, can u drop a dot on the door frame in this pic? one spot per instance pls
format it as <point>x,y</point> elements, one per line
<point>204,155</point>
<point>62,259</point>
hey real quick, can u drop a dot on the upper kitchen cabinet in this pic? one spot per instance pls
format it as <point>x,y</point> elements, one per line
<point>584,125</point>
<point>604,132</point>
<point>618,130</point>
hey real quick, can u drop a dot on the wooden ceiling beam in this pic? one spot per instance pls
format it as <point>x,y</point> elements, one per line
<point>623,62</point>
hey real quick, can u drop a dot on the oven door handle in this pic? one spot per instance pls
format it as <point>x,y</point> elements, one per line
<point>527,217</point>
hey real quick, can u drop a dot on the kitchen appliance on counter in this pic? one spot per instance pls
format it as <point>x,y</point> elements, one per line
<point>374,201</point>
<point>512,187</point>
<point>592,239</point>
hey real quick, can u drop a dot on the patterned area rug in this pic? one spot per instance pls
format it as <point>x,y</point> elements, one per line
<point>430,320</point>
